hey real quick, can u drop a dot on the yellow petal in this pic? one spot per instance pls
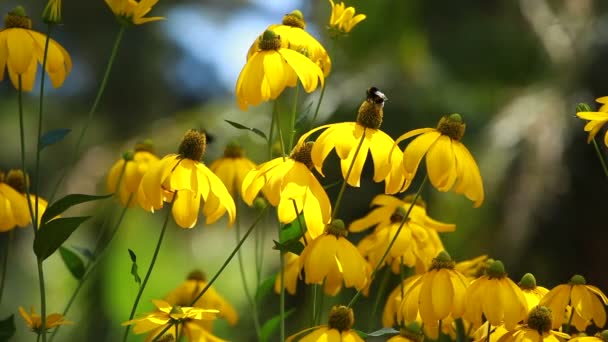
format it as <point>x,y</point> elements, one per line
<point>320,259</point>
<point>416,150</point>
<point>185,208</point>
<point>20,49</point>
<point>308,72</point>
<point>469,179</point>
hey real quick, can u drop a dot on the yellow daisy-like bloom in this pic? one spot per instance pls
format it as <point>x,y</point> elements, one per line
<point>587,301</point>
<point>186,292</point>
<point>14,209</point>
<point>21,49</point>
<point>187,183</point>
<point>338,328</point>
<point>292,274</point>
<point>532,292</point>
<point>294,37</point>
<point>272,68</point>
<point>449,163</point>
<point>184,318</point>
<point>390,315</point>
<point>133,11</point>
<point>232,169</point>
<point>536,329</point>
<point>599,337</point>
<point>596,119</point>
<point>125,175</point>
<point>289,185</point>
<point>343,19</point>
<point>472,268</point>
<point>355,140</point>
<point>418,242</point>
<point>436,294</point>
<point>496,297</point>
<point>331,259</point>
<point>34,321</point>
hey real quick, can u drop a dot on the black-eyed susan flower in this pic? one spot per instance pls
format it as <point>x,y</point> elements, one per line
<point>599,337</point>
<point>354,140</point>
<point>294,37</point>
<point>331,259</point>
<point>343,19</point>
<point>132,11</point>
<point>21,49</point>
<point>338,328</point>
<point>448,162</point>
<point>232,168</point>
<point>596,119</point>
<point>536,329</point>
<point>272,68</point>
<point>187,291</point>
<point>52,12</point>
<point>17,180</point>
<point>289,185</point>
<point>417,243</point>
<point>436,294</point>
<point>184,318</point>
<point>188,184</point>
<point>34,321</point>
<point>496,297</point>
<point>587,301</point>
<point>14,209</point>
<point>125,175</point>
<point>532,292</point>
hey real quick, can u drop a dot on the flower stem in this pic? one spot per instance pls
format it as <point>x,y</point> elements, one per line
<point>282,287</point>
<point>152,262</point>
<point>390,245</point>
<point>489,332</point>
<point>350,169</point>
<point>42,299</point>
<point>569,325</point>
<point>292,119</point>
<point>300,223</point>
<point>92,111</point>
<point>600,157</point>
<point>379,296</point>
<point>314,117</point>
<point>275,113</point>
<point>8,239</point>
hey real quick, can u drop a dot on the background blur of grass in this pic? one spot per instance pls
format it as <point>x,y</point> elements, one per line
<point>514,69</point>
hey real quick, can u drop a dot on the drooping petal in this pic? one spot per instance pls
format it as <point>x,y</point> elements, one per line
<point>185,208</point>
<point>441,164</point>
<point>416,150</point>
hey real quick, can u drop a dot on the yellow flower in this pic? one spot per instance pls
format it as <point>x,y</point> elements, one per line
<point>496,297</point>
<point>418,242</point>
<point>346,137</point>
<point>292,274</point>
<point>599,337</point>
<point>472,268</point>
<point>34,321</point>
<point>532,292</point>
<point>436,294</point>
<point>449,163</point>
<point>21,49</point>
<point>232,168</point>
<point>338,328</point>
<point>596,119</point>
<point>186,182</point>
<point>186,292</point>
<point>14,209</point>
<point>52,12</point>
<point>289,185</point>
<point>343,19</point>
<point>166,314</point>
<point>294,37</point>
<point>391,315</point>
<point>272,68</point>
<point>587,301</point>
<point>536,329</point>
<point>127,172</point>
<point>331,259</point>
<point>133,11</point>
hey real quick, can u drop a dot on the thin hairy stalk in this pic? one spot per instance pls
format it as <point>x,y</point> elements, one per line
<point>379,296</point>
<point>390,245</point>
<point>600,157</point>
<point>92,111</point>
<point>151,267</point>
<point>314,117</point>
<point>320,305</point>
<point>42,299</point>
<point>217,274</point>
<point>5,261</point>
<point>275,113</point>
<point>292,118</point>
<point>282,287</point>
<point>315,290</point>
<point>350,169</point>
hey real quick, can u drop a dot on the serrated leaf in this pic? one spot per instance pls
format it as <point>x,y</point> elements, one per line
<point>53,137</point>
<point>67,202</point>
<point>7,328</point>
<point>293,246</point>
<point>254,130</point>
<point>54,233</point>
<point>381,332</point>
<point>134,271</point>
<point>292,230</point>
<point>271,325</point>
<point>73,262</point>
<point>265,288</point>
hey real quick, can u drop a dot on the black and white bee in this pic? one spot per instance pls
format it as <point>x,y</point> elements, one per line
<point>374,95</point>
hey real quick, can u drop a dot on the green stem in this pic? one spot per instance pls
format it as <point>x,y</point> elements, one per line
<point>350,169</point>
<point>42,299</point>
<point>390,245</point>
<point>282,287</point>
<point>489,332</point>
<point>292,118</point>
<point>5,261</point>
<point>275,112</point>
<point>92,111</point>
<point>152,262</point>
<point>460,333</point>
<point>379,296</point>
<point>600,157</point>
<point>569,325</point>
<point>300,223</point>
<point>320,305</point>
<point>271,130</point>
<point>314,117</point>
<point>315,290</point>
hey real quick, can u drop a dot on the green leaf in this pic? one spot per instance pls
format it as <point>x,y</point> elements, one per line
<point>271,325</point>
<point>52,137</point>
<point>73,262</point>
<point>54,233</point>
<point>7,328</point>
<point>381,332</point>
<point>292,230</point>
<point>265,288</point>
<point>254,130</point>
<point>293,246</point>
<point>134,272</point>
<point>84,251</point>
<point>67,202</point>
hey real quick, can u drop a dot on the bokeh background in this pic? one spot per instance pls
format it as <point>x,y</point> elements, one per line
<point>514,69</point>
